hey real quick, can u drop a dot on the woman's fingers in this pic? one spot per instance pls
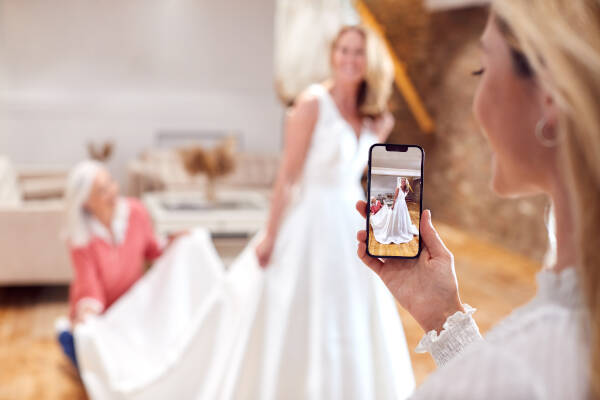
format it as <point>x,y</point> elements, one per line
<point>260,257</point>
<point>361,236</point>
<point>361,206</point>
<point>431,238</point>
<point>263,262</point>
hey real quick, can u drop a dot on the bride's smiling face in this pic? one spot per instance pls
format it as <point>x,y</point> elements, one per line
<point>508,105</point>
<point>348,58</point>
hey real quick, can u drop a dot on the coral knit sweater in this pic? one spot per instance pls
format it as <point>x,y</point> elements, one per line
<point>105,270</point>
<point>376,207</point>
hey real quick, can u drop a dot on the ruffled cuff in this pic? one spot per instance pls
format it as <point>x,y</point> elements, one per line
<point>458,332</point>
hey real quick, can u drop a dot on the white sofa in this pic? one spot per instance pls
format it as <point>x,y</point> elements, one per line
<point>158,170</point>
<point>31,218</point>
<point>32,211</point>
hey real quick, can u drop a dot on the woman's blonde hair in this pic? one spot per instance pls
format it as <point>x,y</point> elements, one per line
<point>375,90</point>
<point>560,40</point>
<point>401,180</point>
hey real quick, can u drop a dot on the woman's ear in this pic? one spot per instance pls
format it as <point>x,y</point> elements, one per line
<point>546,128</point>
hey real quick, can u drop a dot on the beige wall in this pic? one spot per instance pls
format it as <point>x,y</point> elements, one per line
<point>73,71</point>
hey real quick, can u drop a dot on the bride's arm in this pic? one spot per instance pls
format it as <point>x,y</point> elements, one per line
<point>300,123</point>
<point>395,198</point>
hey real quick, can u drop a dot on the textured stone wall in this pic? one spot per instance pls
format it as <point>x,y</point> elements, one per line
<point>440,51</point>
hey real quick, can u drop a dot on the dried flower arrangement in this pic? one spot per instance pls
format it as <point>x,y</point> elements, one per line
<point>214,162</point>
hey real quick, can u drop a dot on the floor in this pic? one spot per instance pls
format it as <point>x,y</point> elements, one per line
<point>33,366</point>
<point>404,249</point>
<point>492,279</point>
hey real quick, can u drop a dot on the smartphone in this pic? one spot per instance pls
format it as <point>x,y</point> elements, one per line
<point>395,200</point>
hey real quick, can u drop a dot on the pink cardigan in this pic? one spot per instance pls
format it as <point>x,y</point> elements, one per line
<point>104,271</point>
<point>376,207</point>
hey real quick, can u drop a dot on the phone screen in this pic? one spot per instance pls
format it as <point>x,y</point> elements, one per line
<point>395,190</point>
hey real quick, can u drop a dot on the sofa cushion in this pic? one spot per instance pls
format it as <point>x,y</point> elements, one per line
<point>43,188</point>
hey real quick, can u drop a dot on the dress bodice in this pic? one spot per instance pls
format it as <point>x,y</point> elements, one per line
<point>315,304</point>
<point>336,155</point>
<point>401,194</point>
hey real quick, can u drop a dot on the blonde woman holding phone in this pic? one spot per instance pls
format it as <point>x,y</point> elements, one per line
<point>538,105</point>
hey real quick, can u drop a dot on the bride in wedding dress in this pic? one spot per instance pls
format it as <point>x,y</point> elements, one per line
<point>296,316</point>
<point>393,225</point>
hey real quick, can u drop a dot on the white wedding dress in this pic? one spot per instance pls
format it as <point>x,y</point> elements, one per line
<point>394,225</point>
<point>315,324</point>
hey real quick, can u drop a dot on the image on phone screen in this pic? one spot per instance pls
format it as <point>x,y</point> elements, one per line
<point>395,189</point>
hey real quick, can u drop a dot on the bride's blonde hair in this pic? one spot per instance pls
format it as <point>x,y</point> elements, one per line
<point>408,187</point>
<point>561,39</point>
<point>376,88</point>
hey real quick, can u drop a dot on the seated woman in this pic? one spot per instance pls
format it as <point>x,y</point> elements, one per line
<point>110,239</point>
<point>375,205</point>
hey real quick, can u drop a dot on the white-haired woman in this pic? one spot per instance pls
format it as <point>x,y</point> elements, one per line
<point>110,238</point>
<point>375,205</point>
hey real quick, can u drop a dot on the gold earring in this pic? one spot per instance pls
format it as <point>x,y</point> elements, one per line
<point>539,134</point>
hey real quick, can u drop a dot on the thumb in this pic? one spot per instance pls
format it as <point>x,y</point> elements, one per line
<point>431,238</point>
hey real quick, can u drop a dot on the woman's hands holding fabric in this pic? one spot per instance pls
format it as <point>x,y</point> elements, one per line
<point>174,236</point>
<point>85,311</point>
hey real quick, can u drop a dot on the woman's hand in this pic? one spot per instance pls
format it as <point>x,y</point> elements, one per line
<point>264,250</point>
<point>426,286</point>
<point>84,312</point>
<point>174,236</point>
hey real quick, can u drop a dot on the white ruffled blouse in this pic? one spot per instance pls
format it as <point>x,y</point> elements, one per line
<point>538,352</point>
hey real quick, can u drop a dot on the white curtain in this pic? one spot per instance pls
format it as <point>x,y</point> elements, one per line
<point>304,30</point>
